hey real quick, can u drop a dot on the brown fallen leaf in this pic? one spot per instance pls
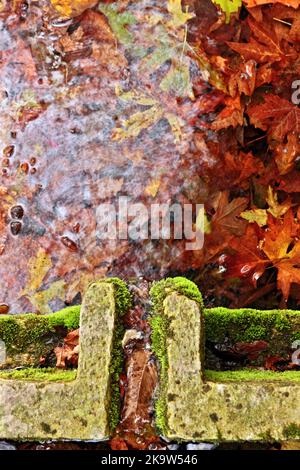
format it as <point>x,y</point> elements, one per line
<point>251,350</point>
<point>67,354</point>
<point>142,380</point>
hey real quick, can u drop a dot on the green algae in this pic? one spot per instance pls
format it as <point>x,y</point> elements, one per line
<point>251,375</point>
<point>42,374</point>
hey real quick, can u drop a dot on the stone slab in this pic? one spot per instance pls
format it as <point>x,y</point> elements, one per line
<point>197,409</point>
<point>72,410</point>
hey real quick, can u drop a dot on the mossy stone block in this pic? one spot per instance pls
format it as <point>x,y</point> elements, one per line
<point>193,407</point>
<point>78,409</point>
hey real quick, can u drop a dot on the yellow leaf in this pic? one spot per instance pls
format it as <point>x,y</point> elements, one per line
<point>152,188</point>
<point>176,124</point>
<point>179,16</point>
<point>40,300</point>
<point>38,268</point>
<point>69,8</point>
<point>259,216</point>
<point>276,209</point>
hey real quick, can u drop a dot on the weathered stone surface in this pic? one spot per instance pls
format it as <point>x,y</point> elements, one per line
<point>197,410</point>
<point>72,410</point>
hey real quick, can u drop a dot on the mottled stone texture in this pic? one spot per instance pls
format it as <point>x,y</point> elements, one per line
<point>197,409</point>
<point>74,410</point>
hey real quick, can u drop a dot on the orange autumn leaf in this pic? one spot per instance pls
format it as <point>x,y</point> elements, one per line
<point>67,354</point>
<point>276,115</point>
<point>249,260</point>
<point>263,45</point>
<point>255,3</point>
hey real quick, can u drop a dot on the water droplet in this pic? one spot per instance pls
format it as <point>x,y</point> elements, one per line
<point>4,309</point>
<point>70,244</point>
<point>15,228</point>
<point>17,212</point>
<point>33,171</point>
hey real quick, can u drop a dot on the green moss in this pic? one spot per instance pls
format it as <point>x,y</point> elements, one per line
<point>292,431</point>
<point>161,289</point>
<point>246,325</point>
<point>45,374</point>
<point>251,375</point>
<point>68,317</point>
<point>159,325</point>
<point>123,297</point>
<point>116,367</point>
<point>123,302</point>
<point>20,331</point>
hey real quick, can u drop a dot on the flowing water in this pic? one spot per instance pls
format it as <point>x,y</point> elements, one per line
<point>66,87</point>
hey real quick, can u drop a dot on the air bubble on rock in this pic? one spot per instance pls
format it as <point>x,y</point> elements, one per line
<point>8,151</point>
<point>17,212</point>
<point>70,244</point>
<point>15,228</point>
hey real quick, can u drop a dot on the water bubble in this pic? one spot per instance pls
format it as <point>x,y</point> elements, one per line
<point>70,244</point>
<point>17,212</point>
<point>15,228</point>
<point>8,151</point>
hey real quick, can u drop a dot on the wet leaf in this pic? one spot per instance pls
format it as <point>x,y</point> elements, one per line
<point>180,17</point>
<point>68,8</point>
<point>277,115</point>
<point>229,6</point>
<point>67,355</point>
<point>119,22</point>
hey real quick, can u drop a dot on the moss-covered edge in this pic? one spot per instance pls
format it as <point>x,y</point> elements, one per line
<point>47,374</point>
<point>123,302</point>
<point>247,325</point>
<point>252,375</point>
<point>159,325</point>
<point>292,431</point>
<point>20,331</point>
